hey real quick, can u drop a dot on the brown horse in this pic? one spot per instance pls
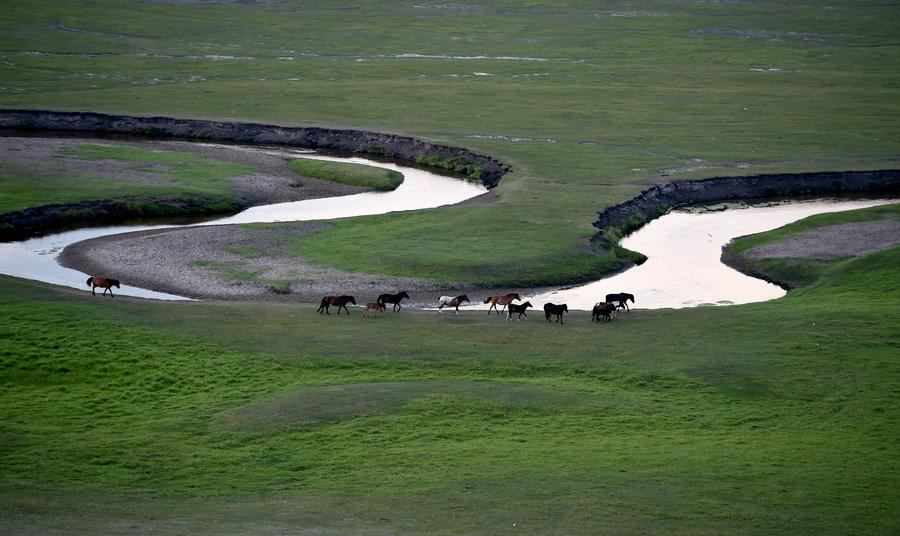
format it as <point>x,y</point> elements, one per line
<point>551,309</point>
<point>373,306</point>
<point>603,310</point>
<point>106,284</point>
<point>501,299</point>
<point>339,301</point>
<point>513,309</point>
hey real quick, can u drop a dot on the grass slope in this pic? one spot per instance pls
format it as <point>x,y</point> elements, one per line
<point>191,177</point>
<point>796,271</point>
<point>589,104</point>
<point>768,418</point>
<point>380,179</point>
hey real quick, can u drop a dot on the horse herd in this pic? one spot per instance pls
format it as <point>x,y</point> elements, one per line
<point>602,312</point>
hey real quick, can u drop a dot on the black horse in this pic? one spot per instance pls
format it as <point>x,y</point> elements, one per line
<point>620,299</point>
<point>551,309</point>
<point>394,299</point>
<point>520,309</point>
<point>339,301</point>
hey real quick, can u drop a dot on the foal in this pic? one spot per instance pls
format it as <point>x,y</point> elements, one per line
<point>513,308</point>
<point>373,306</point>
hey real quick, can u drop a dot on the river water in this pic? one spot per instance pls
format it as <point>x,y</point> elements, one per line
<point>683,248</point>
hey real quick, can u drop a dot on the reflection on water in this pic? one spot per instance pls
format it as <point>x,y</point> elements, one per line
<point>683,268</point>
<point>36,258</point>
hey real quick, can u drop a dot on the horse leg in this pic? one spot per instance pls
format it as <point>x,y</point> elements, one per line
<point>93,291</point>
<point>111,295</point>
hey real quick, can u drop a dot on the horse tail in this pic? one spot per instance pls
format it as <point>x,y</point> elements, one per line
<point>488,299</point>
<point>90,280</point>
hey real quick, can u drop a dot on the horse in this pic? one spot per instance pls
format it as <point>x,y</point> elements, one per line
<point>376,306</point>
<point>339,301</point>
<point>394,299</point>
<point>106,284</point>
<point>551,309</point>
<point>513,308</point>
<point>603,310</point>
<point>450,301</point>
<point>620,299</point>
<point>501,299</point>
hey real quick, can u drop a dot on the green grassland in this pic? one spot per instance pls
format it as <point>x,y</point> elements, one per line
<point>589,104</point>
<point>379,179</point>
<point>180,176</point>
<point>215,417</point>
<point>769,418</point>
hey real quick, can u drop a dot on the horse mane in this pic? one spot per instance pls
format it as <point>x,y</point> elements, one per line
<point>461,296</point>
<point>115,282</point>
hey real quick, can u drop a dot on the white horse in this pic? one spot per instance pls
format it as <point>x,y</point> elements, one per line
<point>451,301</point>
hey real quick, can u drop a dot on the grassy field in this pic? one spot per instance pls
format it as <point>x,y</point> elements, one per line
<point>379,179</point>
<point>588,104</point>
<point>770,418</point>
<point>208,418</point>
<point>170,175</point>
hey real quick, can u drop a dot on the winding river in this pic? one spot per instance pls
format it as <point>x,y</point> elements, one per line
<point>683,248</point>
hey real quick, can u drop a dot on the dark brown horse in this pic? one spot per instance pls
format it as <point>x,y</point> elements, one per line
<point>339,301</point>
<point>501,299</point>
<point>394,299</point>
<point>450,301</point>
<point>551,309</point>
<point>106,284</point>
<point>603,310</point>
<point>520,309</point>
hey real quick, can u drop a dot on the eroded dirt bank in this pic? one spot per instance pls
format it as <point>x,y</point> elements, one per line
<point>656,201</point>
